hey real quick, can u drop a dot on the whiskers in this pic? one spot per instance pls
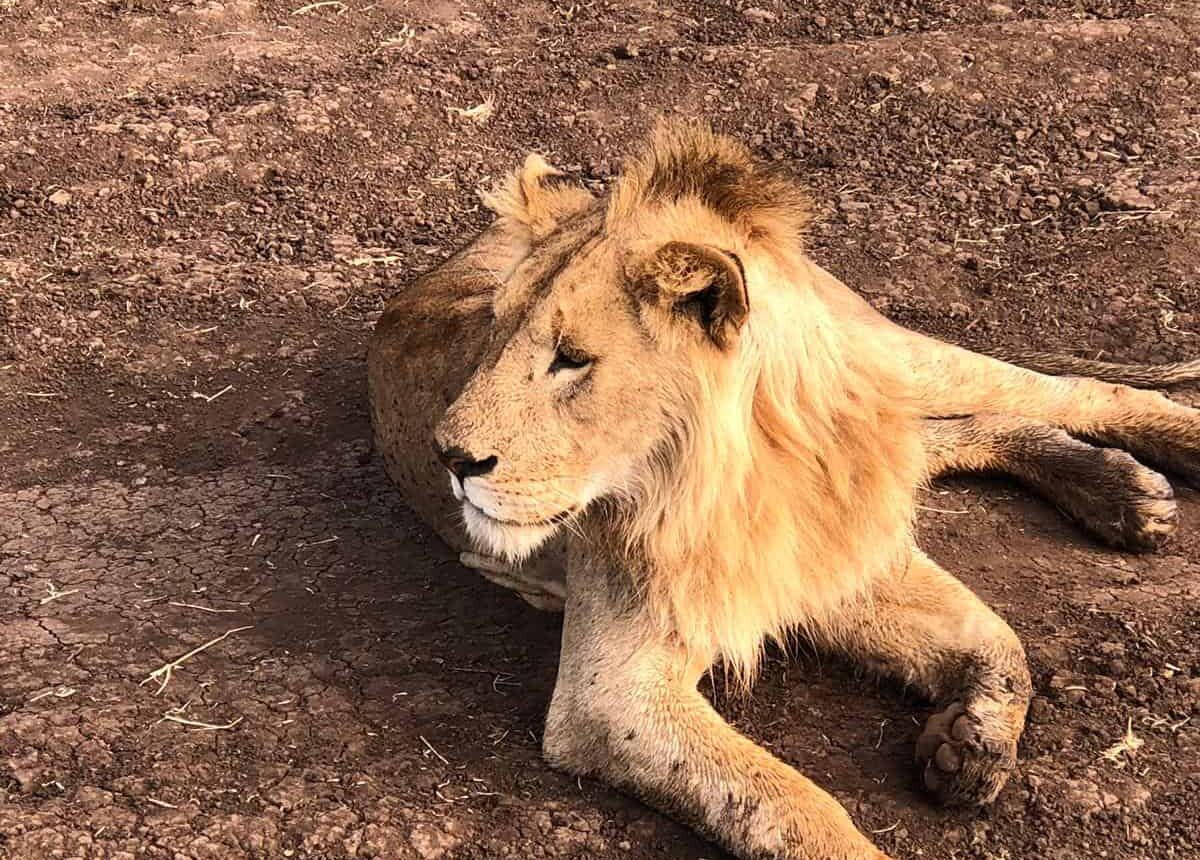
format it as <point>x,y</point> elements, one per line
<point>504,512</point>
<point>548,502</point>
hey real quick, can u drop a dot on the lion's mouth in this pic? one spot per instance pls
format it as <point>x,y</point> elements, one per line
<point>471,508</point>
<point>555,520</point>
<point>507,537</point>
<point>510,539</point>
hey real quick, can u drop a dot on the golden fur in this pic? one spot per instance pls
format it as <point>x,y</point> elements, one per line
<point>660,414</point>
<point>797,400</point>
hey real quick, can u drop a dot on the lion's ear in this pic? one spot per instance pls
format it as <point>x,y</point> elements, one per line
<point>537,196</point>
<point>703,284</point>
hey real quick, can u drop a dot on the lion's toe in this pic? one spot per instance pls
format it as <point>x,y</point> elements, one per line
<point>960,764</point>
<point>1147,523</point>
<point>1137,509</point>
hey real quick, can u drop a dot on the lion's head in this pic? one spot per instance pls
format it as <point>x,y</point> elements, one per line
<point>661,349</point>
<point>604,335</point>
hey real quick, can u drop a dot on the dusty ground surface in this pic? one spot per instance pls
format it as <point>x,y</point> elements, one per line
<point>202,207</point>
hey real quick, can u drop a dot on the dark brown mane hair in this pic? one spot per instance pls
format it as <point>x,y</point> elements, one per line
<point>686,159</point>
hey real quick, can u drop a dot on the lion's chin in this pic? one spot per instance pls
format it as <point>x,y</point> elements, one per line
<point>510,541</point>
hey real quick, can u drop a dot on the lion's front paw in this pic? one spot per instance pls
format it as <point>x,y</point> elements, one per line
<point>544,589</point>
<point>961,763</point>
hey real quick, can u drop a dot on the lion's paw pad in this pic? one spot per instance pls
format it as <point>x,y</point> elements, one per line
<point>959,763</point>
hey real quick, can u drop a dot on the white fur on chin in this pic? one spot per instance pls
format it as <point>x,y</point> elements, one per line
<point>512,543</point>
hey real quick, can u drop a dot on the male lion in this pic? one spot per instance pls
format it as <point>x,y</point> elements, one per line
<point>655,408</point>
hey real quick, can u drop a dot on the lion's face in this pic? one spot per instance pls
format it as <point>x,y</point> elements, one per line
<point>596,345</point>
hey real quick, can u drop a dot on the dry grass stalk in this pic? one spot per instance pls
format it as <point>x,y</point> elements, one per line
<point>209,398</point>
<point>480,114</point>
<point>201,608</point>
<point>324,4</point>
<point>55,594</point>
<point>430,747</point>
<point>197,724</point>
<point>1124,749</point>
<point>163,673</point>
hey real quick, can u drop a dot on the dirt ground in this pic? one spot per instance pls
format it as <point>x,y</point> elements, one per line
<point>202,208</point>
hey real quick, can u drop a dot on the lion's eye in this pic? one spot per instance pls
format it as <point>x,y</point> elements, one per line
<point>566,358</point>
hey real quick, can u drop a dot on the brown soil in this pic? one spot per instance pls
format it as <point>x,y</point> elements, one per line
<point>202,208</point>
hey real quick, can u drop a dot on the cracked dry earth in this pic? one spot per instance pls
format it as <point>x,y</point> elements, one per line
<point>202,208</point>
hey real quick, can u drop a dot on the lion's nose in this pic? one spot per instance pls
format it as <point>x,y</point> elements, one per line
<point>461,464</point>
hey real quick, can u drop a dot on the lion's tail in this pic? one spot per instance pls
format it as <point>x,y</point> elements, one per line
<point>1136,375</point>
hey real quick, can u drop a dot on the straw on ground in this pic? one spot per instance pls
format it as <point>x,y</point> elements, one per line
<point>1124,749</point>
<point>163,673</point>
<point>198,724</point>
<point>198,606</point>
<point>481,113</point>
<point>324,4</point>
<point>54,594</point>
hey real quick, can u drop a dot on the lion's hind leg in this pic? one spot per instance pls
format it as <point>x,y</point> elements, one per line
<point>923,626</point>
<point>1109,493</point>
<point>951,381</point>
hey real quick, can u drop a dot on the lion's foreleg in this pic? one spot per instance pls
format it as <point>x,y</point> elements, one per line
<point>923,626</point>
<point>626,710</point>
<point>1107,491</point>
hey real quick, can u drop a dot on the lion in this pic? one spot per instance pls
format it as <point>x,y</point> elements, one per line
<point>653,411</point>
